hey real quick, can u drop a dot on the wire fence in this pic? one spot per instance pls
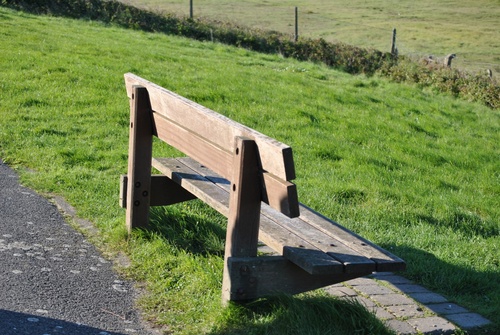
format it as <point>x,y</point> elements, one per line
<point>316,24</point>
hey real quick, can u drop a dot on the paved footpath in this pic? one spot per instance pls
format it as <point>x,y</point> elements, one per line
<point>52,281</point>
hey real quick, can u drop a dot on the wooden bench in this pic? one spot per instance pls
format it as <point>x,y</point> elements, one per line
<point>245,176</point>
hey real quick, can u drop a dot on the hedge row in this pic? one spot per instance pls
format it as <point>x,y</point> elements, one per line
<point>348,58</point>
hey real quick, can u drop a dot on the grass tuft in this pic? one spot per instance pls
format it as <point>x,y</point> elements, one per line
<point>285,315</point>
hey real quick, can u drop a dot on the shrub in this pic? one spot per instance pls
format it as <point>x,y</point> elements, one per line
<point>461,84</point>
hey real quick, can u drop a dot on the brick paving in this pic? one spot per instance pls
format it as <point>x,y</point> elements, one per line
<point>407,308</point>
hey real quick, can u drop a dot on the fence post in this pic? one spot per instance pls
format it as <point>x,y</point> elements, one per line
<point>394,49</point>
<point>191,9</point>
<point>296,24</point>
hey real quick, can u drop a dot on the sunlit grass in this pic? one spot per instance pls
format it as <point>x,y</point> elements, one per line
<point>414,172</point>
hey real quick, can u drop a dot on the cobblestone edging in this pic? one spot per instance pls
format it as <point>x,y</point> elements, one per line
<point>407,308</point>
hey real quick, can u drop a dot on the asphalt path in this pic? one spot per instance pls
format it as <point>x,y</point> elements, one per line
<point>52,280</point>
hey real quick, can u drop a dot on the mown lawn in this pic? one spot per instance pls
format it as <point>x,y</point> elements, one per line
<point>414,172</point>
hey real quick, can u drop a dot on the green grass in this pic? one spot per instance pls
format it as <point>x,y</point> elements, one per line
<point>416,173</point>
<point>469,28</point>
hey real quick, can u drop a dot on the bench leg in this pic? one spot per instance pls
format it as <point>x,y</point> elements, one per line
<point>244,209</point>
<point>139,160</point>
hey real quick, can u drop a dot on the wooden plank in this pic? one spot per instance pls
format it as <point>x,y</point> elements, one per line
<point>384,260</point>
<point>352,260</point>
<point>206,172</point>
<point>214,157</point>
<point>197,185</point>
<point>278,193</point>
<point>313,261</point>
<point>276,157</point>
<point>139,162</point>
<point>279,239</point>
<point>255,277</point>
<point>164,191</point>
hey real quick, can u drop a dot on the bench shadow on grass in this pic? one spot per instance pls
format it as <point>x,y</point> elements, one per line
<point>205,234</point>
<point>302,315</point>
<point>196,234</point>
<point>315,313</point>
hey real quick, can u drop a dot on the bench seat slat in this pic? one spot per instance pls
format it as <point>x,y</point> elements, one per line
<point>384,260</point>
<point>354,260</point>
<point>316,262</point>
<point>381,259</point>
<point>216,197</point>
<point>276,230</point>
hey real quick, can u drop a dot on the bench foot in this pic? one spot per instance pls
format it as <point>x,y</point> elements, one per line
<point>256,277</point>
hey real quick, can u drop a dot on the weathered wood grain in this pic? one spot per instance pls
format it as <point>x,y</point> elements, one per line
<point>139,162</point>
<point>244,175</point>
<point>276,157</point>
<point>384,260</point>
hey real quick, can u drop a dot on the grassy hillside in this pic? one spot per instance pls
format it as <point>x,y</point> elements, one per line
<point>469,28</point>
<point>414,172</point>
<point>349,58</point>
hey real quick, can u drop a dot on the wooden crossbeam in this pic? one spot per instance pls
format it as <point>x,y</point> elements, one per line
<point>164,191</point>
<point>255,277</point>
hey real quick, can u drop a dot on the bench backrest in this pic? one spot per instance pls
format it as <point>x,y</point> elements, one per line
<point>209,138</point>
